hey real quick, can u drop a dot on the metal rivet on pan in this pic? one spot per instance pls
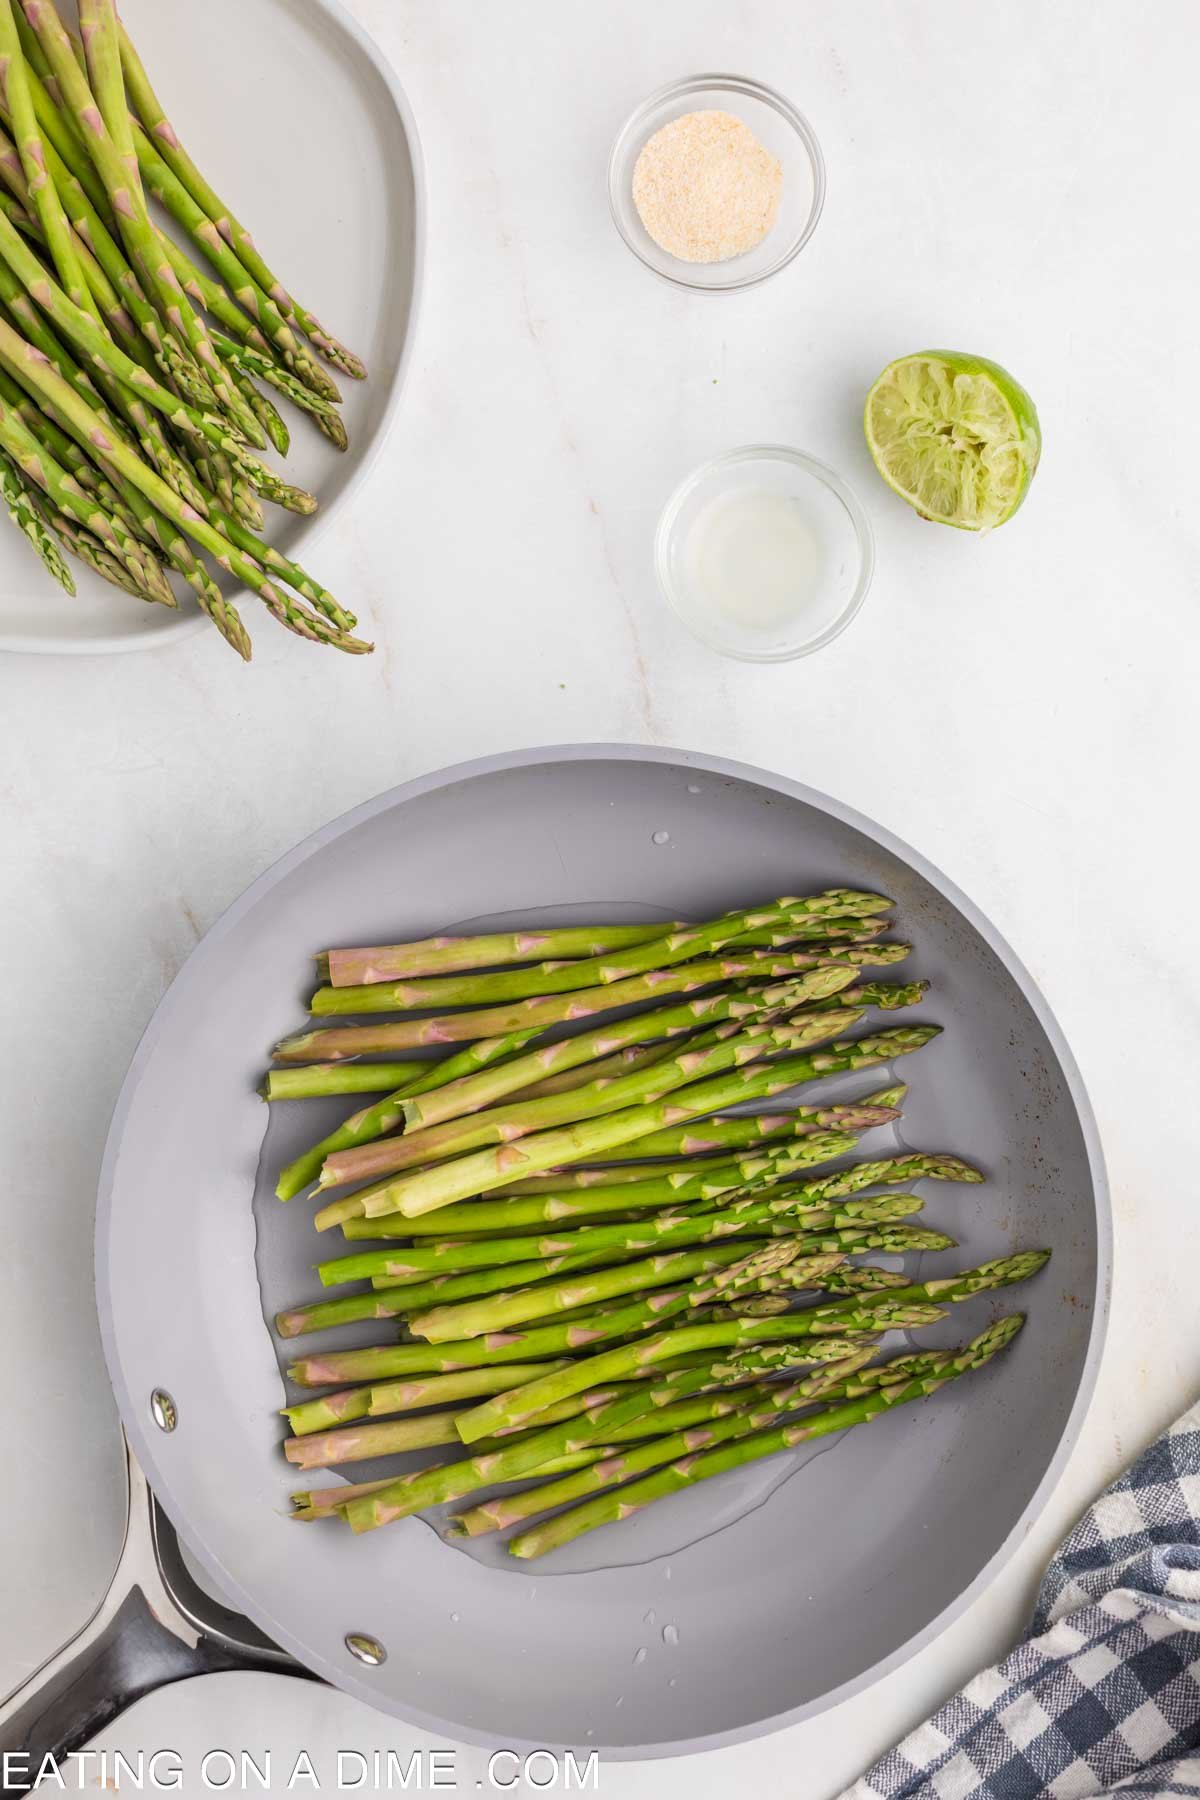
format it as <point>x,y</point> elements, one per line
<point>166,1416</point>
<point>367,1649</point>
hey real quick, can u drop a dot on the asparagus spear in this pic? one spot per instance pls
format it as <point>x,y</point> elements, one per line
<point>505,1510</point>
<point>319,1081</point>
<point>860,996</point>
<point>152,525</point>
<point>509,1216</point>
<point>432,1487</point>
<point>670,1229</point>
<point>374,1121</point>
<point>486,1169</point>
<point>672,1187</point>
<point>97,347</point>
<point>395,1081</point>
<point>335,1042</point>
<point>573,1331</point>
<point>863,1280</point>
<point>450,955</point>
<point>326,1502</point>
<point>729,1045</point>
<point>682,945</point>
<point>871,1227</point>
<point>36,463</point>
<point>50,386</point>
<point>393,1302</point>
<point>521,1403</point>
<point>253,363</point>
<point>699,1139</point>
<point>377,1399</point>
<point>90,551</point>
<point>475,1092</point>
<point>96,120</point>
<point>388,1303</point>
<point>26,517</point>
<point>606,1508</point>
<point>498,1312</point>
<point>395,1437</point>
<point>502,1282</point>
<point>40,194</point>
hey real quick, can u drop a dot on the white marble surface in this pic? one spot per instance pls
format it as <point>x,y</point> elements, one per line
<point>1012,180</point>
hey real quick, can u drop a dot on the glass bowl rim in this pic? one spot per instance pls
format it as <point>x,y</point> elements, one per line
<point>816,470</point>
<point>756,90</point>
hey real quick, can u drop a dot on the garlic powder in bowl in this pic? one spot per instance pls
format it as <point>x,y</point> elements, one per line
<point>705,188</point>
<point>716,182</point>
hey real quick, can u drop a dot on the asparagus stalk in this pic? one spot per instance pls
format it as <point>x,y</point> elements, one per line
<point>508,1216</point>
<point>91,552</point>
<point>730,1045</point>
<point>375,1121</point>
<point>682,945</point>
<point>377,1399</point>
<point>669,1229</point>
<point>690,1469</point>
<point>502,1282</point>
<point>396,1081</point>
<point>323,1503</point>
<point>152,525</point>
<point>395,1437</point>
<point>872,1228</point>
<point>617,1063</point>
<point>36,463</point>
<point>715,1135</point>
<point>50,386</point>
<point>483,1170</point>
<point>430,1487</point>
<point>451,955</point>
<point>388,1303</point>
<point>452,1482</point>
<point>573,1331</point>
<point>862,1280</point>
<point>673,1185</point>
<point>333,1043</point>
<point>322,1081</point>
<point>97,347</point>
<point>498,1312</point>
<point>40,194</point>
<point>476,1092</point>
<point>253,363</point>
<point>887,995</point>
<point>96,119</point>
<point>26,517</point>
<point>394,1302</point>
<point>506,1510</point>
<point>522,1402</point>
<point>326,1502</point>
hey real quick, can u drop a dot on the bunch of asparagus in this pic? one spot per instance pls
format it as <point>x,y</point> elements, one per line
<point>131,377</point>
<point>595,1272</point>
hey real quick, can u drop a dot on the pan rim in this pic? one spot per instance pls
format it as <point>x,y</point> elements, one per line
<point>136,1427</point>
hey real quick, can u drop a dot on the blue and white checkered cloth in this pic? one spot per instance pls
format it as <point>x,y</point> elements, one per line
<point>1103,1694</point>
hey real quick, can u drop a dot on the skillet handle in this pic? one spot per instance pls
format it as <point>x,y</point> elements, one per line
<point>153,1626</point>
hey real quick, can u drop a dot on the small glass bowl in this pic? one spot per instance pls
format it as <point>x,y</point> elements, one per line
<point>777,125</point>
<point>837,526</point>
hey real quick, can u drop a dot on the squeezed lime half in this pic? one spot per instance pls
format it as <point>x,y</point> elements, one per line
<point>955,436</point>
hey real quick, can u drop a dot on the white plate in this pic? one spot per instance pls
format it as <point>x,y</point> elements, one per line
<point>307,133</point>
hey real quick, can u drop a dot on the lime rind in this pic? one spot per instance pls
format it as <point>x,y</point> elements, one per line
<point>955,436</point>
